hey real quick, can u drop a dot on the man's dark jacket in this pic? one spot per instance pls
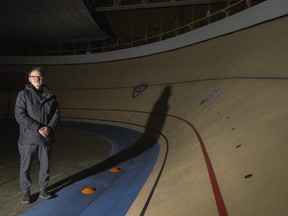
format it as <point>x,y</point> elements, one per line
<point>33,111</point>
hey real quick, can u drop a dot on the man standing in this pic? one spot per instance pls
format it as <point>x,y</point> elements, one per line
<point>37,113</point>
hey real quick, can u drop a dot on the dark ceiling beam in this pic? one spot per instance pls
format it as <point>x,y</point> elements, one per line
<point>119,5</point>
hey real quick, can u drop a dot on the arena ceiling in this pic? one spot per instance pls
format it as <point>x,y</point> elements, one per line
<point>42,20</point>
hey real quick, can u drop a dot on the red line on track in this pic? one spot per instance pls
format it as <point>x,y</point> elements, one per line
<point>216,190</point>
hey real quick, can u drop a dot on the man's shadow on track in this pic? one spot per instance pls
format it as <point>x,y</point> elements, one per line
<point>153,129</point>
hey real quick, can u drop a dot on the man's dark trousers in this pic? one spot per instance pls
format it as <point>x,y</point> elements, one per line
<point>27,154</point>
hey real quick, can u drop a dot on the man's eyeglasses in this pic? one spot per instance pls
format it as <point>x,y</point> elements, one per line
<point>36,77</point>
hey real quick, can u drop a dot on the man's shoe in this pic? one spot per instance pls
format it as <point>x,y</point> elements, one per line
<point>44,194</point>
<point>27,197</point>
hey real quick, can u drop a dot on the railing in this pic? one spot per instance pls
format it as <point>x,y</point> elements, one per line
<point>190,26</point>
<point>113,44</point>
